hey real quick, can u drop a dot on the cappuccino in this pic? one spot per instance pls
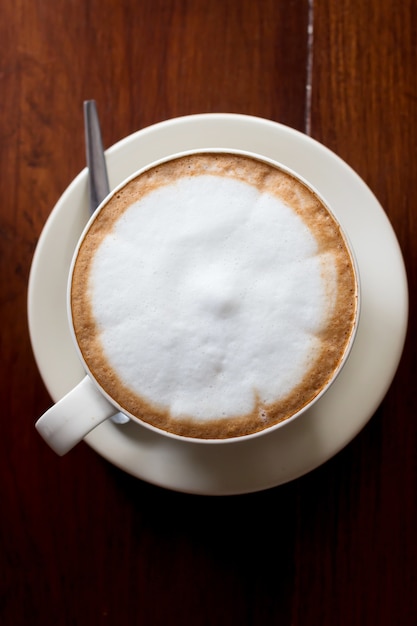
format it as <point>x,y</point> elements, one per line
<point>213,296</point>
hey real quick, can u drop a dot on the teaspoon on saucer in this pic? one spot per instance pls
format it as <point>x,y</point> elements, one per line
<point>98,181</point>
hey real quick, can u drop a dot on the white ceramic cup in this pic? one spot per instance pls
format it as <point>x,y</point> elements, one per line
<point>87,405</point>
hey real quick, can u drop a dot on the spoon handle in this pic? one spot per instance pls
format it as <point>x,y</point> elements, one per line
<point>98,180</point>
<point>96,162</point>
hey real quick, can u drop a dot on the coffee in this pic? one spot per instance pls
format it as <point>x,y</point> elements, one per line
<point>213,296</point>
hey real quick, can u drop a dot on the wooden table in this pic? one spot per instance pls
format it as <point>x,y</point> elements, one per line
<point>83,542</point>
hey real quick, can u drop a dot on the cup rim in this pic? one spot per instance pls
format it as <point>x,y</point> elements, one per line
<point>358,295</point>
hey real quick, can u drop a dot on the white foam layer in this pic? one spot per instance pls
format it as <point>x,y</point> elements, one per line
<point>209,294</point>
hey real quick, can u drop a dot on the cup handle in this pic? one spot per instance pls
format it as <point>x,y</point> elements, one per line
<point>67,422</point>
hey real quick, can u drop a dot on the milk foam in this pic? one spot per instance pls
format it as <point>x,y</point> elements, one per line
<point>210,296</point>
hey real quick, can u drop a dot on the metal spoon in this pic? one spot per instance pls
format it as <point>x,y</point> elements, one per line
<point>98,181</point>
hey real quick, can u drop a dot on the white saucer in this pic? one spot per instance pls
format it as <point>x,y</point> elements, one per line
<point>299,446</point>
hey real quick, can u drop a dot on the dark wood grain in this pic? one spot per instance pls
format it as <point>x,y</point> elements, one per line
<point>80,541</point>
<point>364,107</point>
